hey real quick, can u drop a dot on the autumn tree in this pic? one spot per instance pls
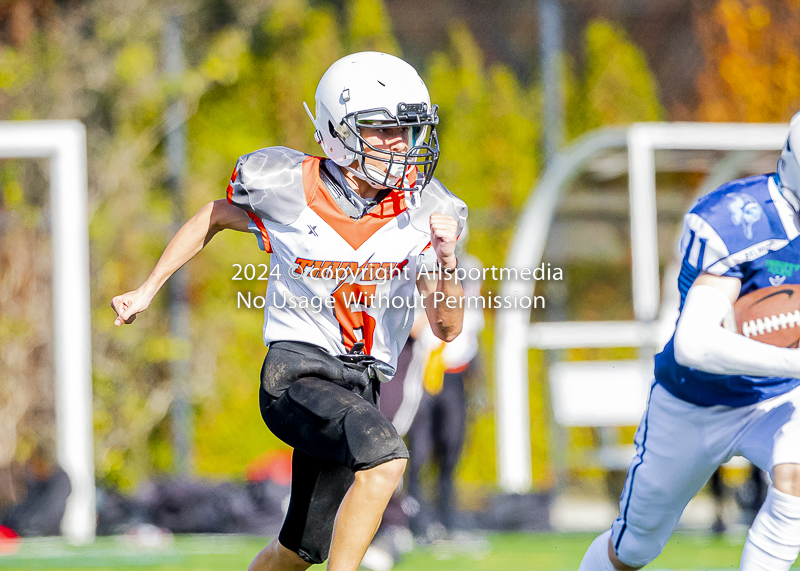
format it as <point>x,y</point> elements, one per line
<point>752,60</point>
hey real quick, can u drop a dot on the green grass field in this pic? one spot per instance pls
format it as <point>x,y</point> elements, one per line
<point>497,552</point>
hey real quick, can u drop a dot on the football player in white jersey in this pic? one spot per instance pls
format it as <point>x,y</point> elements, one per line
<point>716,393</point>
<point>351,237</point>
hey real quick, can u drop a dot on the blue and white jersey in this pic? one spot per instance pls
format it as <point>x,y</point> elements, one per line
<point>745,229</point>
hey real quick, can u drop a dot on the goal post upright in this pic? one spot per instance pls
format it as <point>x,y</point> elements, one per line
<point>643,140</point>
<point>64,144</point>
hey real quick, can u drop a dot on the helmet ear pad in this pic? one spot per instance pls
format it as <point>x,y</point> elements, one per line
<point>331,143</point>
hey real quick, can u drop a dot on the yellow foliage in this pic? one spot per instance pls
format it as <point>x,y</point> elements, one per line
<point>759,16</point>
<point>543,473</point>
<point>620,88</point>
<point>14,70</point>
<point>135,62</point>
<point>12,194</point>
<point>228,53</point>
<point>488,134</point>
<point>370,28</point>
<point>752,69</point>
<point>158,349</point>
<point>285,17</point>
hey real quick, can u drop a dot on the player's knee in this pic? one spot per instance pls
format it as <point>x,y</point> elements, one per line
<point>643,539</point>
<point>786,478</point>
<point>634,558</point>
<point>290,560</point>
<point>637,553</point>
<point>276,556</point>
<point>615,561</point>
<point>384,476</point>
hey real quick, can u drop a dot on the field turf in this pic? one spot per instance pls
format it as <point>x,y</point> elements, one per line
<point>494,552</point>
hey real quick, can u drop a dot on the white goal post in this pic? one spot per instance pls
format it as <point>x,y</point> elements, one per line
<point>515,335</point>
<point>64,144</point>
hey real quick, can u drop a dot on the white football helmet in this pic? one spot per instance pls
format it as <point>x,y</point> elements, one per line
<point>367,89</point>
<point>788,166</point>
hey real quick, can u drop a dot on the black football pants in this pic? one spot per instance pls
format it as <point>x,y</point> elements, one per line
<point>327,410</point>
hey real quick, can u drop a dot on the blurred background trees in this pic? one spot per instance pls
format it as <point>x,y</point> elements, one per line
<point>752,64</point>
<point>250,65</point>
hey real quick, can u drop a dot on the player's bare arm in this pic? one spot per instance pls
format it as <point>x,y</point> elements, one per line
<point>446,322</point>
<point>190,239</point>
<point>701,343</point>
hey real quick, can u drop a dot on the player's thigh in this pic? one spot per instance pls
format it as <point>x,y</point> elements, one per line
<point>332,424</point>
<point>671,464</point>
<point>318,489</point>
<point>772,436</point>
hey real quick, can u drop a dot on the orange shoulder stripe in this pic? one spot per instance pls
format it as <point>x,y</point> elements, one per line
<point>230,186</point>
<point>263,229</point>
<point>354,232</point>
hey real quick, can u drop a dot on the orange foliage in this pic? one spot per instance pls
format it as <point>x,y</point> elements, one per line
<point>752,67</point>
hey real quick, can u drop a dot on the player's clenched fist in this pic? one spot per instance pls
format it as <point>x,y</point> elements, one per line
<point>128,305</point>
<point>444,234</point>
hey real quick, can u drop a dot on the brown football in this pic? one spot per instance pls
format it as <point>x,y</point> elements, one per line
<point>770,315</point>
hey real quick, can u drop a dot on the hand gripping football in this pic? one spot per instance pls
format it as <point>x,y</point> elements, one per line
<point>770,315</point>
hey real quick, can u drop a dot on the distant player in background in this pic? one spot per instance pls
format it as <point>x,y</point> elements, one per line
<point>408,396</point>
<point>749,496</point>
<point>437,432</point>
<point>717,393</point>
<point>717,489</point>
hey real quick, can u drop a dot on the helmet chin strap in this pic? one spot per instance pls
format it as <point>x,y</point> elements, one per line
<point>360,173</point>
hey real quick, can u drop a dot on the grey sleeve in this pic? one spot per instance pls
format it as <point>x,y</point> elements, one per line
<point>436,198</point>
<point>269,184</point>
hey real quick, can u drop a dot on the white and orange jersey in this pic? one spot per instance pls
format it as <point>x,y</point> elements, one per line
<point>338,280</point>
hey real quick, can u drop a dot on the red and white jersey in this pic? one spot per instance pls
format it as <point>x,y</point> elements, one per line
<point>338,280</point>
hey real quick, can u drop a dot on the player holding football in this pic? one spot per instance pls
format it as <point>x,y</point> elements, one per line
<point>352,230</point>
<point>718,394</point>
